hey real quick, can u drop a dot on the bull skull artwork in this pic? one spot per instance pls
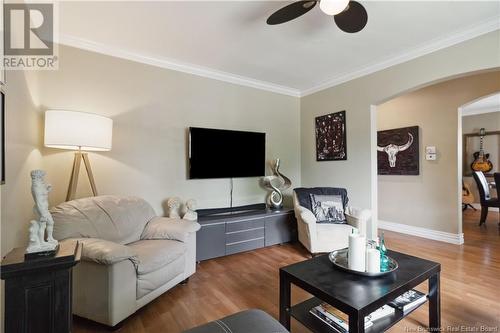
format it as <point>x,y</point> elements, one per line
<point>392,150</point>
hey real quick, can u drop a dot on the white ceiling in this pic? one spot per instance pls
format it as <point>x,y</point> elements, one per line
<point>484,105</point>
<point>229,40</point>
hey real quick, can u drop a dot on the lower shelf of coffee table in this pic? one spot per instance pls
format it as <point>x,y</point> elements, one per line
<point>301,313</point>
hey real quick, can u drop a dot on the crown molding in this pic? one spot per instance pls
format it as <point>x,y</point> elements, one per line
<point>435,45</point>
<point>485,27</point>
<point>175,65</point>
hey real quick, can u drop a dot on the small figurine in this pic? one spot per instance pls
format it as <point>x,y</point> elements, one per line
<point>174,205</point>
<point>40,192</point>
<point>191,213</point>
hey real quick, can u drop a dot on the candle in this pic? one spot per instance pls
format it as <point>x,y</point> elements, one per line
<point>356,252</point>
<point>372,261</point>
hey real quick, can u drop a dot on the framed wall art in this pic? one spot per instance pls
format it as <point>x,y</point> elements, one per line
<point>331,137</point>
<point>398,151</point>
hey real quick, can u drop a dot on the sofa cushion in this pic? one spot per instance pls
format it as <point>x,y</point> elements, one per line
<point>157,253</point>
<point>116,219</point>
<point>147,283</point>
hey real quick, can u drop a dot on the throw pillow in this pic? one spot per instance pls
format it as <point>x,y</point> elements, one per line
<point>328,208</point>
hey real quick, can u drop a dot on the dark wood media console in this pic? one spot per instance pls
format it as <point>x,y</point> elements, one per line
<point>227,231</point>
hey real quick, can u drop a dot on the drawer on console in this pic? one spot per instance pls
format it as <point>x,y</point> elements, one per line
<point>244,225</point>
<point>244,235</point>
<point>244,246</point>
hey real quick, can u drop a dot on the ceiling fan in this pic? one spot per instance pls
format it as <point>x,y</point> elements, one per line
<point>350,16</point>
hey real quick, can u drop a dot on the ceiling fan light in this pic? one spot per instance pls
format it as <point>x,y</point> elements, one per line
<point>333,7</point>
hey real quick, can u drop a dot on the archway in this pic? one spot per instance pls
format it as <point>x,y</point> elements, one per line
<point>452,234</point>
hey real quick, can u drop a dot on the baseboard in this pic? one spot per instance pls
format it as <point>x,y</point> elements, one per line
<point>422,232</point>
<point>478,207</point>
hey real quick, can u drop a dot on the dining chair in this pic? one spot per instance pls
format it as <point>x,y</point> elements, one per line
<point>467,197</point>
<point>496,176</point>
<point>484,195</point>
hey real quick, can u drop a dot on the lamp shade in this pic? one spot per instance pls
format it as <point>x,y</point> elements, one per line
<point>77,130</point>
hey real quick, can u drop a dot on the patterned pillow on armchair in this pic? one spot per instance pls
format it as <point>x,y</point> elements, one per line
<point>328,208</point>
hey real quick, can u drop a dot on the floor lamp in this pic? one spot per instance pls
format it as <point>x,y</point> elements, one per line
<point>78,131</point>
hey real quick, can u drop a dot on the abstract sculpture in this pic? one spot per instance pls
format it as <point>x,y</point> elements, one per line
<point>40,192</point>
<point>276,183</point>
<point>191,213</point>
<point>174,205</point>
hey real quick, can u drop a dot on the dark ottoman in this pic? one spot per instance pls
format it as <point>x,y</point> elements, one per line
<point>249,321</point>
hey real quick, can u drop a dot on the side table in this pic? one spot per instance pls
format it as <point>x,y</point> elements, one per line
<point>38,292</point>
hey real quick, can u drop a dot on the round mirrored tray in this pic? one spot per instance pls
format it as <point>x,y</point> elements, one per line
<point>339,260</point>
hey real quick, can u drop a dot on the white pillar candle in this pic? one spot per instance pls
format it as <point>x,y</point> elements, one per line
<point>356,252</point>
<point>372,261</point>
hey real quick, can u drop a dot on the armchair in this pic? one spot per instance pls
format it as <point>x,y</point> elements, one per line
<point>326,237</point>
<point>129,257</point>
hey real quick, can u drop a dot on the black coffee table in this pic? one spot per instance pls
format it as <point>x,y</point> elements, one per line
<point>356,295</point>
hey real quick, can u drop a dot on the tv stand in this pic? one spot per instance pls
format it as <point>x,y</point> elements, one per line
<point>231,210</point>
<point>226,231</point>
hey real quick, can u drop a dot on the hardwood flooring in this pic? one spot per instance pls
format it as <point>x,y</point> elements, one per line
<point>470,285</point>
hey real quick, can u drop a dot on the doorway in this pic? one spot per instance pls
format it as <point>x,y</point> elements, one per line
<point>480,142</point>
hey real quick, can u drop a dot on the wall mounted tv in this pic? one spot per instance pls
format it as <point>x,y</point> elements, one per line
<point>216,153</point>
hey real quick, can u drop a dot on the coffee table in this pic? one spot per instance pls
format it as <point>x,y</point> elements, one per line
<point>356,295</point>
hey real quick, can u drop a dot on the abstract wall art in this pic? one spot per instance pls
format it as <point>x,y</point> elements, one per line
<point>331,137</point>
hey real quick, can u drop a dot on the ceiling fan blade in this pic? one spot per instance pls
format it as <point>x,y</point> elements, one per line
<point>353,19</point>
<point>291,12</point>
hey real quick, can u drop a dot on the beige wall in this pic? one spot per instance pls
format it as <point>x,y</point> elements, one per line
<point>23,134</point>
<point>151,109</point>
<point>472,124</point>
<point>23,143</point>
<point>357,96</point>
<point>429,199</point>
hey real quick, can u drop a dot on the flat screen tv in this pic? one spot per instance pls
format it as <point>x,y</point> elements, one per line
<point>216,153</point>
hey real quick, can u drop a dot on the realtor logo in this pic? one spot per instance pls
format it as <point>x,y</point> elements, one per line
<point>29,36</point>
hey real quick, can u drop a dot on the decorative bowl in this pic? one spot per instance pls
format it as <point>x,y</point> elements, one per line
<point>339,260</point>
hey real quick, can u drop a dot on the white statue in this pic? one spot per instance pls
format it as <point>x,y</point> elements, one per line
<point>174,205</point>
<point>191,213</point>
<point>34,239</point>
<point>40,192</point>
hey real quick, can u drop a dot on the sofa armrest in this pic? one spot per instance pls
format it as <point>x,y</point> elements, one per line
<point>105,252</point>
<point>358,218</point>
<point>169,228</point>
<point>306,215</point>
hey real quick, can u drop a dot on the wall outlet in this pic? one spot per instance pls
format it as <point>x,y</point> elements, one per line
<point>430,157</point>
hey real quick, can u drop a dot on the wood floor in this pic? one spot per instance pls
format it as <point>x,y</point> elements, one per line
<point>470,285</point>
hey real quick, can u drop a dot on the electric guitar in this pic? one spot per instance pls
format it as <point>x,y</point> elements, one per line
<point>481,159</point>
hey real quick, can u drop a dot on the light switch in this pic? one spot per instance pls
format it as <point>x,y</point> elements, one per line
<point>430,150</point>
<point>430,157</point>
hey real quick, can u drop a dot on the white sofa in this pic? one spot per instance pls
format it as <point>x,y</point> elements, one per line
<point>327,237</point>
<point>130,256</point>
